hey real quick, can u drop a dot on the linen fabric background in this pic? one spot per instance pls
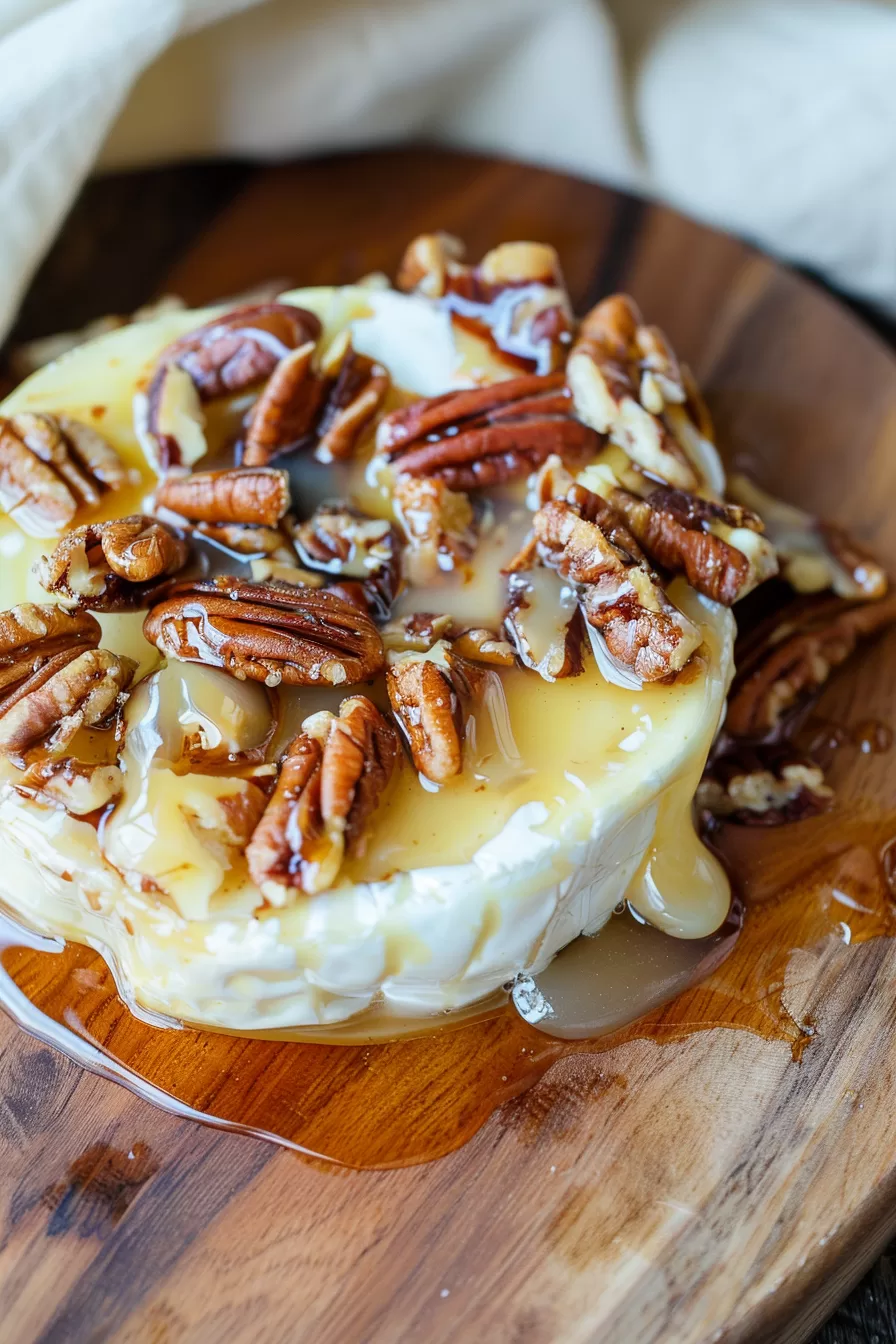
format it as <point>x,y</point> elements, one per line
<point>775,119</point>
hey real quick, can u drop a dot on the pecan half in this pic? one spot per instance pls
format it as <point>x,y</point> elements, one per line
<point>343,542</point>
<point>769,785</point>
<point>544,623</point>
<point>331,780</point>
<point>626,382</point>
<point>34,635</point>
<point>788,658</point>
<point>258,495</point>
<point>80,787</point>
<point>427,708</point>
<point>357,389</point>
<point>56,701</point>
<point>267,632</point>
<point>487,435</point>
<point>719,547</point>
<point>438,525</point>
<point>284,414</point>
<point>516,296</point>
<point>51,465</point>
<point>586,541</point>
<point>813,555</point>
<point>114,566</point>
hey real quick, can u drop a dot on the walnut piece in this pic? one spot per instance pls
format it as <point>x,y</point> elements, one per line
<point>427,707</point>
<point>345,543</point>
<point>516,296</point>
<point>762,785</point>
<point>586,542</point>
<point>487,435</point>
<point>813,555</point>
<point>267,632</point>
<point>438,524</point>
<point>258,495</point>
<point>52,465</point>
<point>56,701</point>
<point>627,383</point>
<point>789,657</point>
<point>114,566</point>
<point>332,778</point>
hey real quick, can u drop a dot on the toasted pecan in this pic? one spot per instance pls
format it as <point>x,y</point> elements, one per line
<point>426,705</point>
<point>62,696</point>
<point>52,465</point>
<point>438,524</point>
<point>113,566</point>
<point>253,495</point>
<point>341,541</point>
<point>267,632</point>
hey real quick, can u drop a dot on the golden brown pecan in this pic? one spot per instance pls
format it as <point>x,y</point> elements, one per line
<point>284,414</point>
<point>248,539</point>
<point>341,541</point>
<point>762,785</point>
<point>544,623</point>
<point>258,495</point>
<point>438,524</point>
<point>33,635</point>
<point>357,387</point>
<point>515,297</point>
<point>813,555</point>
<point>56,701</point>
<point>487,435</point>
<point>427,707</point>
<point>627,383</point>
<point>421,630</point>
<point>332,778</point>
<point>80,787</point>
<point>480,645</point>
<point>51,465</point>
<point>114,566</point>
<point>586,541</point>
<point>789,657</point>
<point>267,632</point>
<point>719,547</point>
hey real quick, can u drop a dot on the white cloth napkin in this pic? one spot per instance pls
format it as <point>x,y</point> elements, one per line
<point>774,118</point>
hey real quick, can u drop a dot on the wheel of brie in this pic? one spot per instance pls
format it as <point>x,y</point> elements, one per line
<point>361,649</point>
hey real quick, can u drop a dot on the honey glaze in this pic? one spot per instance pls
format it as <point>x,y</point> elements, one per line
<point>400,1102</point>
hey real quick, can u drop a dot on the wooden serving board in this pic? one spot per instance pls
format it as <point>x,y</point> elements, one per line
<point>707,1188</point>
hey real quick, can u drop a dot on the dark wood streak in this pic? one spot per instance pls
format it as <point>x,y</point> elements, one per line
<point>230,1238</point>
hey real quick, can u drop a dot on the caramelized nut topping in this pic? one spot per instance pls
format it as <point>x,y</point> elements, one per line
<point>51,465</point>
<point>487,435</point>
<point>422,630</point>
<point>32,635</point>
<point>627,383</point>
<point>249,539</point>
<point>426,705</point>
<point>257,495</point>
<point>283,415</point>
<point>586,541</point>
<point>332,779</point>
<point>357,390</point>
<point>64,695</point>
<point>760,785</point>
<point>544,623</point>
<point>267,632</point>
<point>438,524</point>
<point>788,658</point>
<point>78,786</point>
<point>114,566</point>
<point>343,542</point>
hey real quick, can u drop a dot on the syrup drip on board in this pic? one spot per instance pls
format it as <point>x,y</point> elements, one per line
<point>397,1103</point>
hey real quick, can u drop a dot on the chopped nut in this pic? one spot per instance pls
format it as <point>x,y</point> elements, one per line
<point>56,701</point>
<point>426,705</point>
<point>416,633</point>
<point>763,786</point>
<point>343,542</point>
<point>788,658</point>
<point>358,387</point>
<point>258,495</point>
<point>332,779</point>
<point>483,646</point>
<point>263,571</point>
<point>515,296</point>
<point>813,555</point>
<point>438,524</point>
<point>50,466</point>
<point>267,632</point>
<point>78,786</point>
<point>626,382</point>
<point>587,543</point>
<point>247,539</point>
<point>284,414</point>
<point>719,547</point>
<point>113,566</point>
<point>487,435</point>
<point>544,623</point>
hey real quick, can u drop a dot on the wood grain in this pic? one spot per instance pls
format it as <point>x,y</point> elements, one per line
<point>704,1189</point>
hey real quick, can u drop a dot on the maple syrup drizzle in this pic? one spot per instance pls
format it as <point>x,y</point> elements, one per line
<point>400,1102</point>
